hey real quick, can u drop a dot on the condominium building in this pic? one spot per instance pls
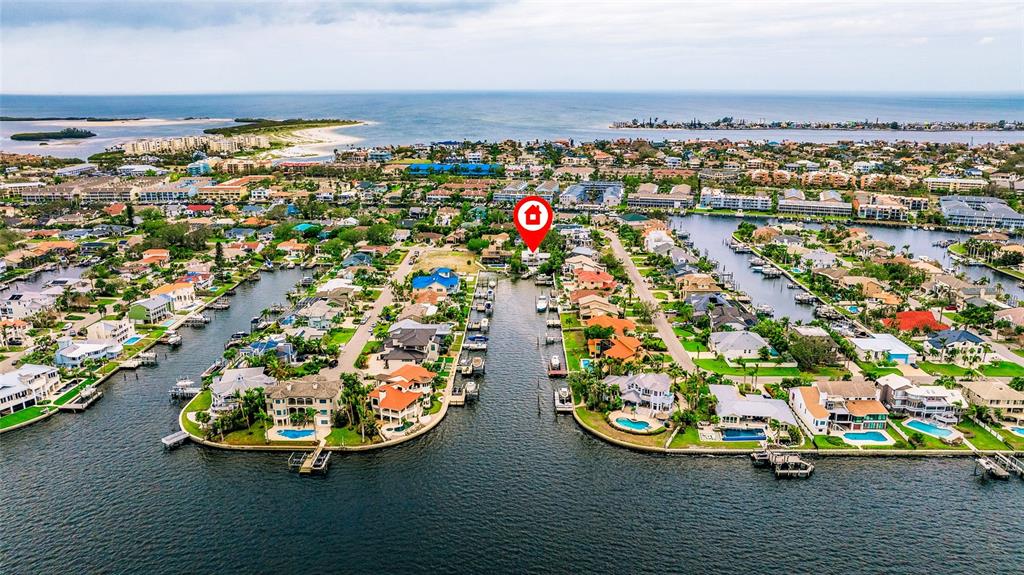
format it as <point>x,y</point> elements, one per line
<point>512,193</point>
<point>185,144</point>
<point>954,184</point>
<point>829,203</point>
<point>679,197</point>
<point>980,211</point>
<point>719,200</point>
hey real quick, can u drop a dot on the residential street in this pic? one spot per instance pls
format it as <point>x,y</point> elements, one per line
<point>675,347</point>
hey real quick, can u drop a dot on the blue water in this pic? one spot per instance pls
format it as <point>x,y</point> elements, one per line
<point>853,309</point>
<point>132,340</point>
<point>636,425</point>
<point>928,428</point>
<point>424,117</point>
<point>1017,430</point>
<point>295,433</point>
<point>866,436</point>
<point>743,435</point>
<point>585,363</point>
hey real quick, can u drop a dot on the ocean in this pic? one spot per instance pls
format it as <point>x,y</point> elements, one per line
<point>423,117</point>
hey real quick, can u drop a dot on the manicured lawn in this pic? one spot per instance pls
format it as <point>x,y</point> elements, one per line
<point>68,395</point>
<point>831,442</point>
<point>596,421</point>
<point>346,436</point>
<point>690,438</point>
<point>435,405</point>
<point>1012,439</point>
<point>979,437</point>
<point>929,441</point>
<point>575,349</point>
<point>1002,369</point>
<point>255,435</point>
<point>341,336</point>
<point>943,369</point>
<point>683,333</point>
<point>719,366</point>
<point>872,369</point>
<point>372,346</point>
<point>570,321</point>
<point>660,295</point>
<point>199,403</point>
<point>694,346</point>
<point>21,416</point>
<point>827,371</point>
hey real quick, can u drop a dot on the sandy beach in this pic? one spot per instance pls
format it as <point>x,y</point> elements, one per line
<point>314,142</point>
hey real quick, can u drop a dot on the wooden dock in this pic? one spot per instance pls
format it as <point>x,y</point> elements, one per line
<point>1010,463</point>
<point>176,439</point>
<point>85,398</point>
<point>310,462</point>
<point>784,465</point>
<point>990,467</point>
<point>563,400</point>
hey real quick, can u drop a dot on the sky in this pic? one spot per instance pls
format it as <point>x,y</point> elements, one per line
<point>228,46</point>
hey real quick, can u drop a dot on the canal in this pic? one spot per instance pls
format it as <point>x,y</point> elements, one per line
<point>710,235</point>
<point>500,486</point>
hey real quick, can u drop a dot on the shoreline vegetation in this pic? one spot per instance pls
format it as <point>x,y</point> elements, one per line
<point>265,126</point>
<point>65,134</point>
<point>729,123</point>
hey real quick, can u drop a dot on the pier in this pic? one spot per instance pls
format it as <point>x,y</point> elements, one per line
<point>310,462</point>
<point>175,440</point>
<point>784,465</point>
<point>563,400</point>
<point>990,467</point>
<point>88,396</point>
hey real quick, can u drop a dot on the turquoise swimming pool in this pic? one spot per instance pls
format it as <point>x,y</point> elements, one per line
<point>853,309</point>
<point>1018,430</point>
<point>295,433</point>
<point>633,424</point>
<point>743,435</point>
<point>934,430</point>
<point>133,340</point>
<point>871,436</point>
<point>585,363</point>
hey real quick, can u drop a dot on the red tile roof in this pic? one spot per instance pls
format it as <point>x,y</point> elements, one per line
<point>910,320</point>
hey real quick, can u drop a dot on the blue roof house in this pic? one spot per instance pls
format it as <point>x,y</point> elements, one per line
<point>440,280</point>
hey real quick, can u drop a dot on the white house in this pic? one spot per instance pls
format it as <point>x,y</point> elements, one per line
<point>74,353</point>
<point>883,347</point>
<point>182,294</point>
<point>111,330</point>
<point>26,386</point>
<point>737,344</point>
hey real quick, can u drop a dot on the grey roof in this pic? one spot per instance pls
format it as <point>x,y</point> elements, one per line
<point>241,379</point>
<point>730,402</point>
<point>659,382</point>
<point>726,340</point>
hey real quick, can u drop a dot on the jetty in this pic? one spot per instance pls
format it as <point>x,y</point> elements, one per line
<point>990,466</point>
<point>458,396</point>
<point>176,439</point>
<point>1010,463</point>
<point>310,462</point>
<point>185,389</point>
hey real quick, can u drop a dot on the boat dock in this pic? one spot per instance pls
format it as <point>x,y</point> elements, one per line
<point>176,439</point>
<point>458,397</point>
<point>1010,463</point>
<point>563,400</point>
<point>85,398</point>
<point>310,462</point>
<point>784,465</point>
<point>990,467</point>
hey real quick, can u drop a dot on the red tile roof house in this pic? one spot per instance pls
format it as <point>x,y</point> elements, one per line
<point>594,280</point>
<point>911,320</point>
<point>199,209</point>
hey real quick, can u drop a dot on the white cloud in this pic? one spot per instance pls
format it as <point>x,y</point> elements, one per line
<point>986,40</point>
<point>641,45</point>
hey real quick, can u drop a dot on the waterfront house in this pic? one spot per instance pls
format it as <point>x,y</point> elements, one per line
<point>936,402</point>
<point>26,386</point>
<point>411,341</point>
<point>595,305</point>
<point>410,377</point>
<point>620,326</point>
<point>72,353</point>
<point>883,347</point>
<point>181,294</point>
<point>25,304</point>
<point>993,395</point>
<point>357,259</point>
<point>696,283</point>
<point>314,392</point>
<point>621,347</point>
<point>958,346</point>
<point>734,345</point>
<point>644,390</point>
<point>851,405</point>
<point>112,330</point>
<point>319,314</point>
<point>276,344</point>
<point>236,381</point>
<point>394,403</point>
<point>735,410</point>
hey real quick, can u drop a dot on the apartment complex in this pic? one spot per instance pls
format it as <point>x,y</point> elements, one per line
<point>679,197</point>
<point>980,211</point>
<point>185,144</point>
<point>954,184</point>
<point>829,203</point>
<point>719,200</point>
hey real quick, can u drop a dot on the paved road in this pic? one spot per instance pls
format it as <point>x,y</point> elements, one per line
<point>675,347</point>
<point>364,332</point>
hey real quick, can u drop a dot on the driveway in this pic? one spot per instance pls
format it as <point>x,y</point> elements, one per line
<point>675,347</point>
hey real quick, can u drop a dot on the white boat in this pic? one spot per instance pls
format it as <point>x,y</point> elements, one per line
<point>556,362</point>
<point>485,324</point>
<point>491,284</point>
<point>542,303</point>
<point>764,308</point>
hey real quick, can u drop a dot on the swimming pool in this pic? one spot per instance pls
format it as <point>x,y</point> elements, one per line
<point>401,428</point>
<point>743,435</point>
<point>853,309</point>
<point>585,363</point>
<point>133,340</point>
<point>869,436</point>
<point>633,424</point>
<point>933,430</point>
<point>1018,430</point>
<point>295,433</point>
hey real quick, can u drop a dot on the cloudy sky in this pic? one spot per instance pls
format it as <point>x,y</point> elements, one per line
<point>153,46</point>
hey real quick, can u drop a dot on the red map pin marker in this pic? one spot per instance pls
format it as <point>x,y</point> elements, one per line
<point>533,216</point>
